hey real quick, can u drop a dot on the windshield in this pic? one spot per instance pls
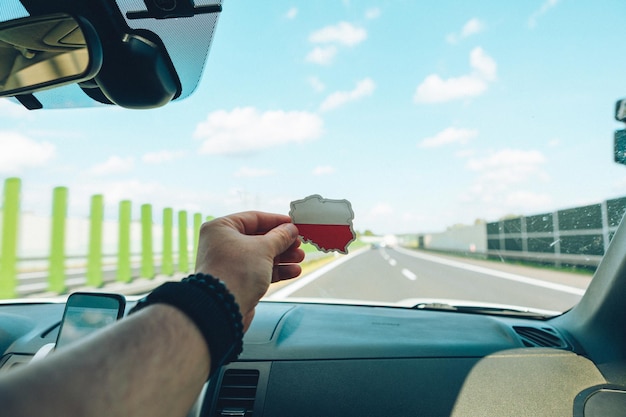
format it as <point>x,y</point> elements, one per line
<point>474,141</point>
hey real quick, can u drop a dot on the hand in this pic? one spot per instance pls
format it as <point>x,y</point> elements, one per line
<point>248,251</point>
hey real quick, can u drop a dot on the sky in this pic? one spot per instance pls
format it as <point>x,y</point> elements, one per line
<point>422,114</point>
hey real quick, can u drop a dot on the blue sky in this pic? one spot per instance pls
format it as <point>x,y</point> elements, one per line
<point>423,115</point>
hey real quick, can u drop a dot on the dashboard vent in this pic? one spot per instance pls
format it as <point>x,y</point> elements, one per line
<point>540,337</point>
<point>237,393</point>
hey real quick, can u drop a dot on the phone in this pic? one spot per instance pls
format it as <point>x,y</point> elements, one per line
<point>87,312</point>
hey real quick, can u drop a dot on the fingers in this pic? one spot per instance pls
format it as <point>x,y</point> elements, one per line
<point>281,238</point>
<point>287,271</point>
<point>256,222</point>
<point>290,257</point>
<point>277,230</point>
<point>248,250</point>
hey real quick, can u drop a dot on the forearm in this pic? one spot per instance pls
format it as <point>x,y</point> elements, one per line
<point>152,363</point>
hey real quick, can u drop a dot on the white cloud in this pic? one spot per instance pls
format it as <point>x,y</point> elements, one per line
<point>291,13</point>
<point>547,5</point>
<point>505,180</point>
<point>114,165</point>
<point>247,172</point>
<point>323,170</point>
<point>18,152</point>
<point>132,189</point>
<point>363,88</point>
<point>516,160</point>
<point>381,209</point>
<point>619,185</point>
<point>499,170</point>
<point>372,13</point>
<point>158,157</point>
<point>484,66</point>
<point>13,110</point>
<point>316,84</point>
<point>245,129</point>
<point>554,142</point>
<point>524,201</point>
<point>142,192</point>
<point>342,33</point>
<point>435,89</point>
<point>448,136</point>
<point>322,55</point>
<point>465,153</point>
<point>471,27</point>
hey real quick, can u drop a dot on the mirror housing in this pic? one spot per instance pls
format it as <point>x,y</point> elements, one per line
<point>40,52</point>
<point>137,72</point>
<point>619,138</point>
<point>619,146</point>
<point>620,110</point>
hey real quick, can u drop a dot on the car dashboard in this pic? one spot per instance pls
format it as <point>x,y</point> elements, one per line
<point>306,359</point>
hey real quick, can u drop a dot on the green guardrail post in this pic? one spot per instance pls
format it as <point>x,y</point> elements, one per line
<point>94,257</point>
<point>10,228</point>
<point>147,255</point>
<point>197,223</point>
<point>124,271</point>
<point>56,269</point>
<point>183,251</point>
<point>167,262</point>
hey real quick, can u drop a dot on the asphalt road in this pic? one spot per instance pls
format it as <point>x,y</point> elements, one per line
<point>394,274</point>
<point>390,275</point>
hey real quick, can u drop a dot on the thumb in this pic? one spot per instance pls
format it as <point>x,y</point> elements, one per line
<point>281,237</point>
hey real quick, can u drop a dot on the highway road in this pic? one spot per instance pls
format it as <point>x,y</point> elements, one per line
<point>394,274</point>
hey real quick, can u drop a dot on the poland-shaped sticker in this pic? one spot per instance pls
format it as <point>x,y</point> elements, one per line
<point>325,223</point>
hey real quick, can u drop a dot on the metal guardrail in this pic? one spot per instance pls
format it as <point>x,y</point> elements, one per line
<point>35,279</point>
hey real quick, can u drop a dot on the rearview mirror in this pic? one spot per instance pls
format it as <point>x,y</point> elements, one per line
<point>46,51</point>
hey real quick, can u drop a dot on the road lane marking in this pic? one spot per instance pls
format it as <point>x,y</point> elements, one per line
<point>495,273</point>
<point>410,275</point>
<point>309,278</point>
<point>393,262</point>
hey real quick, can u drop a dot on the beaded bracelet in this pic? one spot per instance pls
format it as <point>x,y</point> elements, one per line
<point>208,303</point>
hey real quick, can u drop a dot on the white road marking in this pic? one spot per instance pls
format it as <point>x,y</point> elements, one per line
<point>392,262</point>
<point>410,275</point>
<point>495,273</point>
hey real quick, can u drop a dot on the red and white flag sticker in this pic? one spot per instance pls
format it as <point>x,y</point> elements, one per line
<point>325,223</point>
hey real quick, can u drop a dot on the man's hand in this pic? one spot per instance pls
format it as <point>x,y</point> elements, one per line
<point>248,251</point>
<point>155,362</point>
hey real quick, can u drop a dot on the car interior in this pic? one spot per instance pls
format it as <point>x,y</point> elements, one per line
<point>302,358</point>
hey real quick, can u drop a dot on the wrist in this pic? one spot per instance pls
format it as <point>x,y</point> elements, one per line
<point>242,296</point>
<point>207,303</point>
<point>169,320</point>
